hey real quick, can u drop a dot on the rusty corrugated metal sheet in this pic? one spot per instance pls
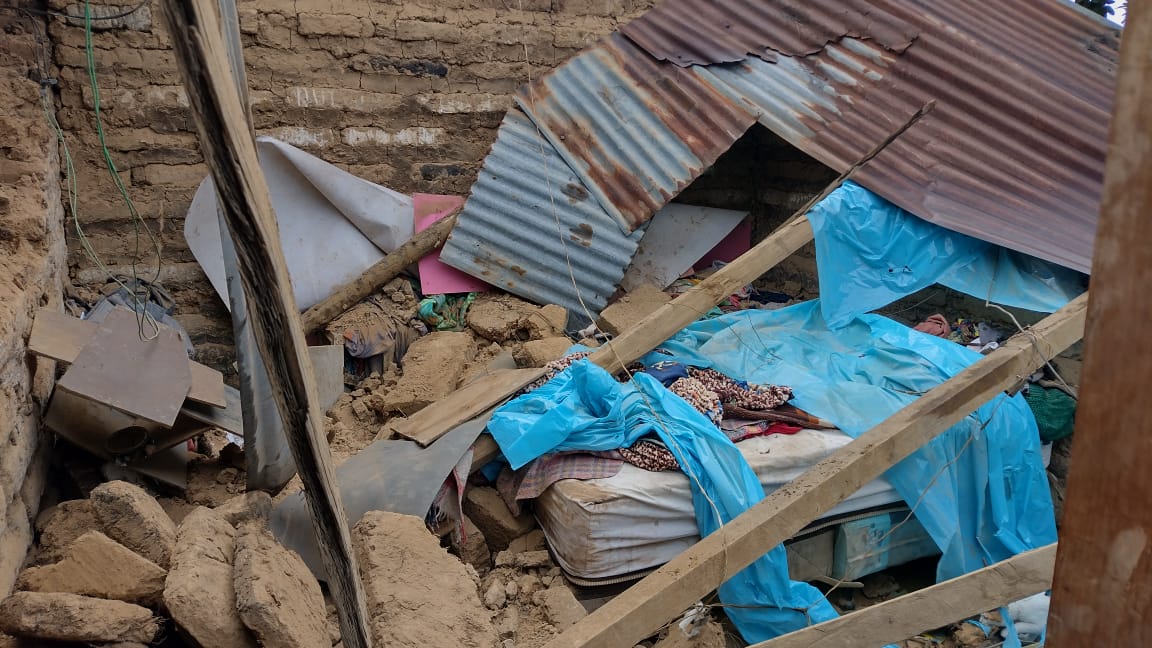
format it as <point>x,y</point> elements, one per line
<point>703,32</point>
<point>635,130</point>
<point>1013,153</point>
<point>528,217</point>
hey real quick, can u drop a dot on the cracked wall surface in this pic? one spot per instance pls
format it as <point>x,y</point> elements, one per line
<point>31,270</point>
<point>406,94</point>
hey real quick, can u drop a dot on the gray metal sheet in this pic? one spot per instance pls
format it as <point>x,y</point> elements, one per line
<point>1013,153</point>
<point>397,476</point>
<point>636,131</point>
<point>531,227</point>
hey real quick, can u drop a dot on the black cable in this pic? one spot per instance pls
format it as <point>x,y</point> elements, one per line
<point>62,14</point>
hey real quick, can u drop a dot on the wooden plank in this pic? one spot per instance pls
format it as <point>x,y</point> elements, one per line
<point>383,271</point>
<point>905,616</point>
<point>665,321</point>
<point>465,404</point>
<point>645,607</point>
<point>1103,587</point>
<point>58,335</point>
<point>483,451</point>
<point>207,385</point>
<point>61,337</point>
<point>146,378</point>
<point>228,418</point>
<point>686,308</point>
<point>230,153</point>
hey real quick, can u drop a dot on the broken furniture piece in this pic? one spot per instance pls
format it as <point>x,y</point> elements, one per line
<point>124,396</point>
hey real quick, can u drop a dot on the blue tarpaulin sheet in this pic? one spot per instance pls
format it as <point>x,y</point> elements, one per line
<point>585,408</point>
<point>979,488</point>
<point>870,253</point>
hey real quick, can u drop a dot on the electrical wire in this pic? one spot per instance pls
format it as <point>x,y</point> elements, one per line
<point>139,303</point>
<point>71,185</point>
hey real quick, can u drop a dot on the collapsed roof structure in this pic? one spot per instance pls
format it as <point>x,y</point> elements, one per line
<point>1013,153</point>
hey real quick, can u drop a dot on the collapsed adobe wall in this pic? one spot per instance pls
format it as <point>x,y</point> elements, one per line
<point>407,94</point>
<point>31,269</point>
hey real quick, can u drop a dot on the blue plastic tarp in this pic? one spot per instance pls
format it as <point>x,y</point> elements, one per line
<point>584,408</point>
<point>870,253</point>
<point>979,489</point>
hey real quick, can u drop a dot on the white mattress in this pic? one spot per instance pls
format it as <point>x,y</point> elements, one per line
<point>638,520</point>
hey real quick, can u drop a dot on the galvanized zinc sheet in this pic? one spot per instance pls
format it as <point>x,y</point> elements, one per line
<point>531,227</point>
<point>702,32</point>
<point>635,130</point>
<point>1013,153</point>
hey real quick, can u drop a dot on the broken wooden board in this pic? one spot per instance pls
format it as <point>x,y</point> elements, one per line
<point>328,367</point>
<point>953,600</point>
<point>148,379</point>
<point>62,337</point>
<point>229,149</point>
<point>463,405</point>
<point>662,595</point>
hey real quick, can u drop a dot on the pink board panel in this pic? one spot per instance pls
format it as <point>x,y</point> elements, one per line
<point>436,278</point>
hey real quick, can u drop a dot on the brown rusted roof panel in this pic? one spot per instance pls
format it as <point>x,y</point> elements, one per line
<point>702,32</point>
<point>637,131</point>
<point>1013,153</point>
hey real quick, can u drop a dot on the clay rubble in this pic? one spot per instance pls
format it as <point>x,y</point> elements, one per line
<point>201,568</point>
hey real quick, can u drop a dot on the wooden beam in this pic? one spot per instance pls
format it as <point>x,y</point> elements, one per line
<point>230,153</point>
<point>645,607</point>
<point>905,616</point>
<point>1103,587</point>
<point>688,307</point>
<point>382,272</point>
<point>468,402</point>
<point>667,320</point>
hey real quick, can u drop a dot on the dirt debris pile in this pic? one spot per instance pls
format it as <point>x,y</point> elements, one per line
<point>418,594</point>
<point>219,586</point>
<point>57,616</point>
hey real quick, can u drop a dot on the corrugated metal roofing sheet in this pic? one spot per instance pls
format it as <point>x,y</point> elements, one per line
<point>1013,153</point>
<point>702,32</point>
<point>635,130</point>
<point>528,217</point>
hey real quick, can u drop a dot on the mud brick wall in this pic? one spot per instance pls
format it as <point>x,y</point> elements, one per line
<point>404,93</point>
<point>31,269</point>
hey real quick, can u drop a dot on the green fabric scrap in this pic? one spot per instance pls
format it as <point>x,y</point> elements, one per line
<point>1054,410</point>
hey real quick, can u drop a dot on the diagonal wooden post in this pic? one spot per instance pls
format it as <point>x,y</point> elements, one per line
<point>896,619</point>
<point>1102,595</point>
<point>646,606</point>
<point>646,334</point>
<point>230,152</point>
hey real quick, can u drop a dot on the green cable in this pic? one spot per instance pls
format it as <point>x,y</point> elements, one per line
<point>137,220</point>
